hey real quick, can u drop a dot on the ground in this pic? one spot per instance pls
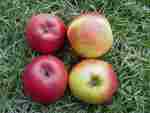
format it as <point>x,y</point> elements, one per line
<point>130,55</point>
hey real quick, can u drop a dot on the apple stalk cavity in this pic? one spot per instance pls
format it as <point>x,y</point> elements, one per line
<point>94,81</point>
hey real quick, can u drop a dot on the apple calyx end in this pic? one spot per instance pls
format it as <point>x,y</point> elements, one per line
<point>45,30</point>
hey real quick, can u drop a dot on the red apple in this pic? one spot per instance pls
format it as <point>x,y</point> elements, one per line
<point>44,79</point>
<point>90,35</point>
<point>93,81</point>
<point>45,33</point>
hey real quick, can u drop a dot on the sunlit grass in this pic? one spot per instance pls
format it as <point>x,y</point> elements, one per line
<point>130,55</point>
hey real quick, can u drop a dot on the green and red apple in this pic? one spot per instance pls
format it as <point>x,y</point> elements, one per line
<point>90,35</point>
<point>93,81</point>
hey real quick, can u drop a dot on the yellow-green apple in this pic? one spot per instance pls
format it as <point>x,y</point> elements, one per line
<point>93,81</point>
<point>45,33</point>
<point>44,79</point>
<point>90,35</point>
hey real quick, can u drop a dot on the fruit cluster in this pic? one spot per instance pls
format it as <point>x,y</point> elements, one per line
<point>45,79</point>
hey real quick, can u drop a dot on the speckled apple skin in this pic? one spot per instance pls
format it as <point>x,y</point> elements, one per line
<point>79,81</point>
<point>90,35</point>
<point>45,33</point>
<point>45,89</point>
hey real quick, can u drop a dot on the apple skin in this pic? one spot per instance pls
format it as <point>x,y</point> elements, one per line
<point>93,81</point>
<point>90,35</point>
<point>45,79</point>
<point>45,33</point>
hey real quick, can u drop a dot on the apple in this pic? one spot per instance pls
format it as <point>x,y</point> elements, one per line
<point>45,33</point>
<point>90,35</point>
<point>44,79</point>
<point>93,81</point>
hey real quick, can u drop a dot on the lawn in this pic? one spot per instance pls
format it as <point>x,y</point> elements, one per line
<point>130,55</point>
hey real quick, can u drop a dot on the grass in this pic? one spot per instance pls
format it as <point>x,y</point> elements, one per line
<point>130,55</point>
